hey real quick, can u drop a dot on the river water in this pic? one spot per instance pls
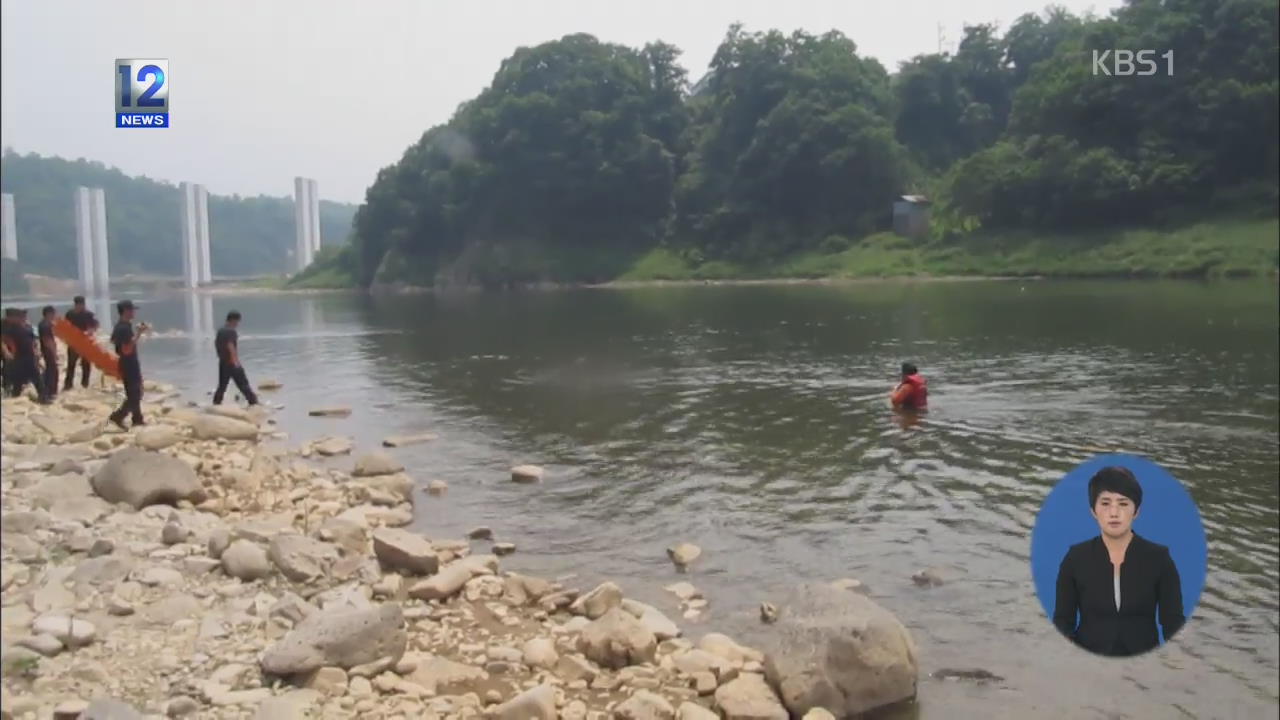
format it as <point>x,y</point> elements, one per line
<point>752,422</point>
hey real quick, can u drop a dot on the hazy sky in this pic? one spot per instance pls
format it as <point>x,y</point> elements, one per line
<point>262,91</point>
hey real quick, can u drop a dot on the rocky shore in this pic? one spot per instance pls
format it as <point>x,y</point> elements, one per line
<point>205,567</point>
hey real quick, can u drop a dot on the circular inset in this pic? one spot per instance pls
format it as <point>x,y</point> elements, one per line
<point>1118,555</point>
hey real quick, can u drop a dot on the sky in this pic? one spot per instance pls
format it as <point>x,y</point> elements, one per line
<point>261,92</point>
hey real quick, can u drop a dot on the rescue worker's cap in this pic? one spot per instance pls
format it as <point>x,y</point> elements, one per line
<point>125,305</point>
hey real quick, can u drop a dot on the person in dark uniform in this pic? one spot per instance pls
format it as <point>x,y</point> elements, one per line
<point>1114,588</point>
<point>49,349</point>
<point>125,338</point>
<point>22,338</point>
<point>82,318</point>
<point>227,345</point>
<point>9,345</point>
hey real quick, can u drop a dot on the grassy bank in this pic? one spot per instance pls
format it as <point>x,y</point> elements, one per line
<point>1221,248</point>
<point>1225,247</point>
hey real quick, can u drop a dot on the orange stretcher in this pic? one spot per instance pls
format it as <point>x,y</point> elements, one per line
<point>86,347</point>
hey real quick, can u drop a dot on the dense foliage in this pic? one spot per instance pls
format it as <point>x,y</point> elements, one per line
<point>247,235</point>
<point>581,154</point>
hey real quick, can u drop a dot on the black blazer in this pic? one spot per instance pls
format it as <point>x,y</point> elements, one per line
<point>1149,584</point>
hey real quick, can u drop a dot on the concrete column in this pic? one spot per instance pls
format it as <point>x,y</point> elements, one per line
<point>84,240</point>
<point>302,223</point>
<point>190,248</point>
<point>8,227</point>
<point>313,191</point>
<point>101,271</point>
<point>202,233</point>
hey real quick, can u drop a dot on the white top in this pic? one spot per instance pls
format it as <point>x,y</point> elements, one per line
<point>1117,577</point>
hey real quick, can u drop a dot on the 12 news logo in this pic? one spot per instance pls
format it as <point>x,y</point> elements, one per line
<point>142,93</point>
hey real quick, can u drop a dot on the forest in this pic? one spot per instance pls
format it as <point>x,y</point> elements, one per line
<point>247,235</point>
<point>583,159</point>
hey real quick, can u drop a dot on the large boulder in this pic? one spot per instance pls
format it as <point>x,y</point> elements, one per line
<point>301,558</point>
<point>617,640</point>
<point>840,651</point>
<point>339,638</point>
<point>403,550</point>
<point>376,463</point>
<point>749,697</point>
<point>142,477</point>
<point>213,427</point>
<point>157,437</point>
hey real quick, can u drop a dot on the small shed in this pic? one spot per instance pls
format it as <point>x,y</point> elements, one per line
<point>911,216</point>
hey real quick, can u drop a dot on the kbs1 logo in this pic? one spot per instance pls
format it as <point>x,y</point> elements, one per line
<point>142,93</point>
<point>1124,63</point>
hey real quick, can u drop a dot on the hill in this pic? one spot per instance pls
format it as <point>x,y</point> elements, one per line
<point>247,235</point>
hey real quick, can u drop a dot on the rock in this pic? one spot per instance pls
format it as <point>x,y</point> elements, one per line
<point>181,706</point>
<point>100,547</point>
<point>403,550</point>
<point>246,560</point>
<point>69,709</point>
<point>86,433</point>
<point>214,427</point>
<point>119,607</point>
<point>172,609</point>
<point>331,681</point>
<point>684,553</point>
<point>142,477</point>
<point>526,474</point>
<point>850,584</point>
<point>928,577</point>
<point>704,683</point>
<point>352,537</point>
<point>540,653</point>
<point>219,541</point>
<point>339,638</point>
<point>270,384</point>
<point>537,703</point>
<point>72,632</point>
<point>616,640</point>
<point>438,674</point>
<point>571,668</point>
<point>333,412</point>
<point>396,441</point>
<point>725,647</point>
<point>437,487</point>
<point>694,711</point>
<point>749,697</point>
<point>157,437</point>
<point>652,618</point>
<point>301,558</point>
<point>159,577</point>
<point>285,707</point>
<point>692,662</point>
<point>480,533</point>
<point>83,510</point>
<point>66,466</point>
<point>684,591</point>
<point>173,533</point>
<point>46,645</point>
<point>503,548</point>
<point>375,463</point>
<point>106,709</point>
<point>819,713</point>
<point>599,601</point>
<point>839,650</point>
<point>445,584</point>
<point>231,411</point>
<point>768,612</point>
<point>331,446</point>
<point>644,705</point>
<point>102,570</point>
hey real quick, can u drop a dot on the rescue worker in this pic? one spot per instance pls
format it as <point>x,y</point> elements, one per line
<point>22,339</point>
<point>9,346</point>
<point>227,346</point>
<point>82,319</point>
<point>913,392</point>
<point>125,338</point>
<point>49,349</point>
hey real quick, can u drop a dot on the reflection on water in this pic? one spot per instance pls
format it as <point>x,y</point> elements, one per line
<point>752,421</point>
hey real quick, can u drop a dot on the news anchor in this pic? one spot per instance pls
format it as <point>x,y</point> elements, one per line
<point>1113,589</point>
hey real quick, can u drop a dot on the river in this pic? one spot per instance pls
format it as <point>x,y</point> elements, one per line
<point>752,422</point>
